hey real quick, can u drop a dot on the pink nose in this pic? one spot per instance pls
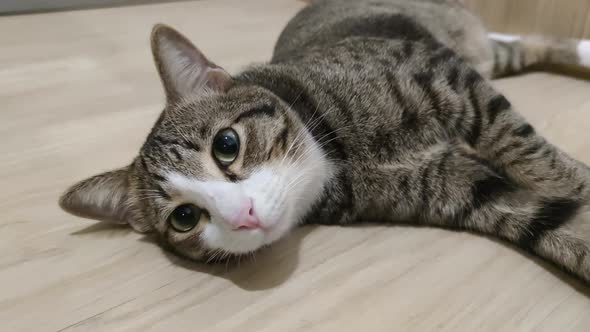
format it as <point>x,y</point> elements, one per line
<point>246,218</point>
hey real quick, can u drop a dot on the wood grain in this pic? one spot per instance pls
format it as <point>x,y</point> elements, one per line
<point>79,94</point>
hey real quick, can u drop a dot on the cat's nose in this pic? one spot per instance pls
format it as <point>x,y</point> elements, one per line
<point>246,218</point>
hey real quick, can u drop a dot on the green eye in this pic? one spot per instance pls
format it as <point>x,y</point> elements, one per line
<point>185,217</point>
<point>226,146</point>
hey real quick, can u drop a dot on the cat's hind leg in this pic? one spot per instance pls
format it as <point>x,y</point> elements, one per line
<point>554,186</point>
<point>515,53</point>
<point>453,187</point>
<point>496,132</point>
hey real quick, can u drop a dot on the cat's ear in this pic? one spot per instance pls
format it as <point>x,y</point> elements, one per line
<point>104,197</point>
<point>183,68</point>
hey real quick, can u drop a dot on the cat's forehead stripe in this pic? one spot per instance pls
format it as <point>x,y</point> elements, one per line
<point>265,110</point>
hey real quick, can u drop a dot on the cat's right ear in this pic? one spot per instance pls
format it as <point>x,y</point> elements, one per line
<point>183,68</point>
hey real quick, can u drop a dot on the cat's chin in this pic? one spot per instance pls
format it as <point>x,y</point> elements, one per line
<point>239,241</point>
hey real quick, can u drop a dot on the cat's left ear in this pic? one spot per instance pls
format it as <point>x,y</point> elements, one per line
<point>183,68</point>
<point>105,197</point>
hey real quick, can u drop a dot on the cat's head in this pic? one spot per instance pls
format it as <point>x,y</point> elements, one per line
<point>226,169</point>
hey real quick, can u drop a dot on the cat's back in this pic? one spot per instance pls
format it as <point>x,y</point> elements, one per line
<point>325,22</point>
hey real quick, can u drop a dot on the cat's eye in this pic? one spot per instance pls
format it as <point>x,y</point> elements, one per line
<point>226,146</point>
<point>185,217</point>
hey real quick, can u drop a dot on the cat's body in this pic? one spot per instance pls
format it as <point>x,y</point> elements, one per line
<point>446,22</point>
<point>368,111</point>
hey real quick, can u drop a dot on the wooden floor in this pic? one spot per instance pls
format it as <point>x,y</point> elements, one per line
<point>78,94</point>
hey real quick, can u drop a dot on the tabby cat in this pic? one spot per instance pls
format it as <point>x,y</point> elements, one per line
<point>368,111</point>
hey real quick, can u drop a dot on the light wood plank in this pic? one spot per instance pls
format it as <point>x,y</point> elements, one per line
<point>79,94</point>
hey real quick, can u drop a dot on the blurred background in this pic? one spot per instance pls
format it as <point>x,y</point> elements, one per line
<point>567,18</point>
<point>8,7</point>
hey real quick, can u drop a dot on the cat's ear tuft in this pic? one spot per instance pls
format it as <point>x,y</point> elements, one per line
<point>183,68</point>
<point>103,197</point>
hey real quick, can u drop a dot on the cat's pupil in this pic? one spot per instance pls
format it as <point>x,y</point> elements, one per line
<point>185,217</point>
<point>226,146</point>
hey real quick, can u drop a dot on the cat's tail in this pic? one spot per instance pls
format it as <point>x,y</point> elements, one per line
<point>514,53</point>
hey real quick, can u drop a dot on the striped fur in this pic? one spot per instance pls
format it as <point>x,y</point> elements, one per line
<point>395,96</point>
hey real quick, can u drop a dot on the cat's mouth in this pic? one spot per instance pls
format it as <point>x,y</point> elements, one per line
<point>260,229</point>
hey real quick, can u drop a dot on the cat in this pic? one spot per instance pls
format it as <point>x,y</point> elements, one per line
<point>368,111</point>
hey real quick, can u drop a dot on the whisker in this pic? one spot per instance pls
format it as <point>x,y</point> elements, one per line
<point>303,128</point>
<point>309,127</point>
<point>323,143</point>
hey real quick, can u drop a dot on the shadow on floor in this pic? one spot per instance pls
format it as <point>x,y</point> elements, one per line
<point>268,268</point>
<point>561,274</point>
<point>272,266</point>
<point>575,282</point>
